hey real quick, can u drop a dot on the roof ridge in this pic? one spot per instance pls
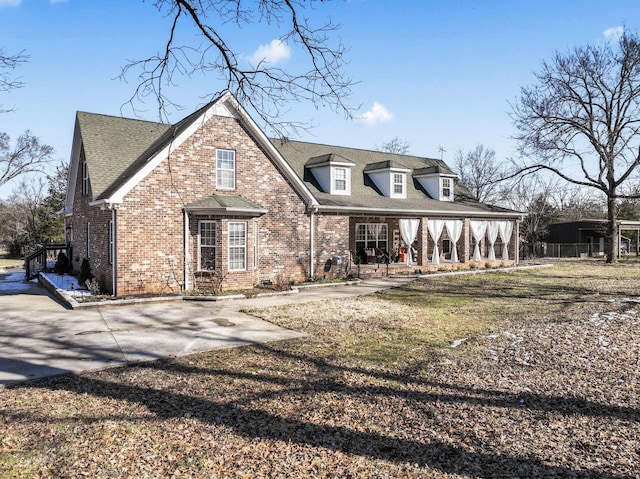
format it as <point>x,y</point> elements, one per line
<point>124,118</point>
<point>280,140</point>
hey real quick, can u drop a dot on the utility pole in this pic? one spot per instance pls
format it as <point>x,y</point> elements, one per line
<point>442,151</point>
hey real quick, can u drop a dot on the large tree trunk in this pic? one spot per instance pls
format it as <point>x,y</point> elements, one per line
<point>613,245</point>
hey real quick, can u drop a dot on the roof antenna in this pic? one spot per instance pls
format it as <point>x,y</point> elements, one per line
<point>442,151</point>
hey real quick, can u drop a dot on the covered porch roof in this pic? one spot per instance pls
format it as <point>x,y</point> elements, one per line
<point>225,205</point>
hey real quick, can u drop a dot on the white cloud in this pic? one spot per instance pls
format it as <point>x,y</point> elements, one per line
<point>272,53</point>
<point>9,3</point>
<point>377,114</point>
<point>613,33</point>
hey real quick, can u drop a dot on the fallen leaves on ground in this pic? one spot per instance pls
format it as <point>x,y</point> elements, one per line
<point>552,390</point>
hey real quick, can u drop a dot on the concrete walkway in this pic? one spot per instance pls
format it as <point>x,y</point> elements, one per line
<point>39,337</point>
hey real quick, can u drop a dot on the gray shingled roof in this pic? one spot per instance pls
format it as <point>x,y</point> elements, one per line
<point>112,144</point>
<point>364,194</point>
<point>116,148</point>
<point>222,204</point>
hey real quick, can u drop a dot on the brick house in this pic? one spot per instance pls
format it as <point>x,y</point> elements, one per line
<point>212,202</point>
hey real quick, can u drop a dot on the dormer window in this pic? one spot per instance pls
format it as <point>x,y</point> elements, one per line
<point>446,188</point>
<point>389,177</point>
<point>398,184</point>
<point>437,181</point>
<point>340,179</point>
<point>332,172</point>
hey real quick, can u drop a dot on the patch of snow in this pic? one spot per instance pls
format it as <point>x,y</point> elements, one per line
<point>458,342</point>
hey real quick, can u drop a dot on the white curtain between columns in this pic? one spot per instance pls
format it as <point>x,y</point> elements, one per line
<point>435,230</point>
<point>478,230</point>
<point>454,230</point>
<point>493,228</point>
<point>506,229</point>
<point>409,231</point>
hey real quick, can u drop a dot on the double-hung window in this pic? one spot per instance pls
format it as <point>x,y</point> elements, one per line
<point>340,179</point>
<point>207,245</point>
<point>237,245</point>
<point>446,187</point>
<point>398,184</point>
<point>226,169</point>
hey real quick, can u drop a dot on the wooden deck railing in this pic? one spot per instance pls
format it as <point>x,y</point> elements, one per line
<point>37,260</point>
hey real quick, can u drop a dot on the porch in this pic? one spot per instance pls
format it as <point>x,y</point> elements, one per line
<point>374,270</point>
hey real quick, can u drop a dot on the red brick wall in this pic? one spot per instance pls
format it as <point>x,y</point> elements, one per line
<point>331,239</point>
<point>99,244</point>
<point>150,220</point>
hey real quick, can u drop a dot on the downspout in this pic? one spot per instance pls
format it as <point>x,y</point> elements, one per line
<point>114,256</point>
<point>312,213</point>
<point>186,251</point>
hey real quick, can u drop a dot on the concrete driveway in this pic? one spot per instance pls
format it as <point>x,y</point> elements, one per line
<point>39,337</point>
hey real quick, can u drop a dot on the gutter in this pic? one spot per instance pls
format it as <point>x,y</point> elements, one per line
<point>413,212</point>
<point>312,226</point>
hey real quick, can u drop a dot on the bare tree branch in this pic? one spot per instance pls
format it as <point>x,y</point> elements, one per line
<point>581,120</point>
<point>8,63</point>
<point>263,88</point>
<point>27,156</point>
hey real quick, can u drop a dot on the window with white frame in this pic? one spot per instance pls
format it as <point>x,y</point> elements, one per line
<point>340,179</point>
<point>226,169</point>
<point>370,237</point>
<point>237,245</point>
<point>207,245</point>
<point>111,242</point>
<point>398,184</point>
<point>446,187</point>
<point>85,178</point>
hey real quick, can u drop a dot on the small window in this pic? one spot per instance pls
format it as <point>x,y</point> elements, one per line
<point>340,179</point>
<point>237,246</point>
<point>398,184</point>
<point>226,169</point>
<point>207,245</point>
<point>85,178</point>
<point>446,187</point>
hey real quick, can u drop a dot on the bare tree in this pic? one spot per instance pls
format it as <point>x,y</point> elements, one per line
<point>28,155</point>
<point>259,85</point>
<point>8,63</point>
<point>481,173</point>
<point>395,145</point>
<point>581,121</point>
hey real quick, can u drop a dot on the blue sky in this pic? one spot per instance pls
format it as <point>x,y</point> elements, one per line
<point>435,73</point>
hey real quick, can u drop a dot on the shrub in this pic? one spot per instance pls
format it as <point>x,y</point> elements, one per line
<point>85,273</point>
<point>472,265</point>
<point>62,264</point>
<point>94,286</point>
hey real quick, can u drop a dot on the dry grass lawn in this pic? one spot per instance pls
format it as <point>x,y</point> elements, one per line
<point>544,381</point>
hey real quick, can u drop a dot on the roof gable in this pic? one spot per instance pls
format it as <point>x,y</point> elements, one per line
<point>121,152</point>
<point>111,144</point>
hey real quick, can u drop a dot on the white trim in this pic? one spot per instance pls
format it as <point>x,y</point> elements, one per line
<point>226,106</point>
<point>387,212</point>
<point>218,170</point>
<point>246,233</point>
<point>215,245</point>
<point>74,160</point>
